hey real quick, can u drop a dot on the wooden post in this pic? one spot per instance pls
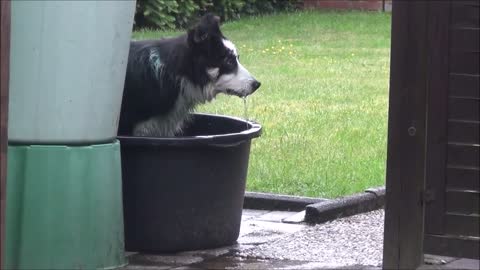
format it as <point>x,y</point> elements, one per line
<point>438,67</point>
<point>404,210</point>
<point>5,13</point>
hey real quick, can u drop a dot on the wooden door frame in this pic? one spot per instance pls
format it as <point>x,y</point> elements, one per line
<point>405,178</point>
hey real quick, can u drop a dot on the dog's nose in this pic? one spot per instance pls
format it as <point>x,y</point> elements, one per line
<point>255,85</point>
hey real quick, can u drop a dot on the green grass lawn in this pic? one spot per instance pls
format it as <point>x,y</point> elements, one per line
<point>323,101</point>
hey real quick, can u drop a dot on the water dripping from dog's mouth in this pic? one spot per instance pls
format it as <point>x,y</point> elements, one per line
<point>245,110</point>
<point>245,105</point>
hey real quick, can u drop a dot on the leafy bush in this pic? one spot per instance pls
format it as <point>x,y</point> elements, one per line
<point>169,14</point>
<point>228,9</point>
<point>188,9</point>
<point>254,7</point>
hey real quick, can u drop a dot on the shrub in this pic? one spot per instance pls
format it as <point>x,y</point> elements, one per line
<point>169,14</point>
<point>228,9</point>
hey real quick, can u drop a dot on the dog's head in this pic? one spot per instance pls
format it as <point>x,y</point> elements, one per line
<point>220,58</point>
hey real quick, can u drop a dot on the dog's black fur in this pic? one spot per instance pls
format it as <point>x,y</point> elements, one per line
<point>167,78</point>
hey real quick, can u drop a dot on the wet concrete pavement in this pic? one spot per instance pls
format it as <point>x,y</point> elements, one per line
<point>280,240</point>
<point>356,240</point>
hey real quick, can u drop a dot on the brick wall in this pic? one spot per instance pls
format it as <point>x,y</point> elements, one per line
<point>374,5</point>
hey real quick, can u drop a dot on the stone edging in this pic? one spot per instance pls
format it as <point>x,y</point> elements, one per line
<point>318,210</point>
<point>371,199</point>
<point>270,201</point>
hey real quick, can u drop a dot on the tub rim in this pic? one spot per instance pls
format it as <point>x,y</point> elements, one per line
<point>225,139</point>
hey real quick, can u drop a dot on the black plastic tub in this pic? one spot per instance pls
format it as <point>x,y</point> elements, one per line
<point>186,193</point>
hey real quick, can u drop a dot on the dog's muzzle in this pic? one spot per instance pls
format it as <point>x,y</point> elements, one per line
<point>255,85</point>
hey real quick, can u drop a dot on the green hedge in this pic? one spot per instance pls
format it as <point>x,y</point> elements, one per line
<point>170,14</point>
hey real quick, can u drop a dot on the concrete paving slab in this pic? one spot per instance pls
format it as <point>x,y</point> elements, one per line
<point>258,232</point>
<point>161,261</point>
<point>355,240</point>
<point>467,264</point>
<point>437,260</point>
<point>146,267</point>
<point>276,216</point>
<point>295,219</point>
<point>280,240</point>
<point>454,263</point>
<point>206,253</point>
<point>248,214</point>
<point>188,267</point>
<point>237,263</point>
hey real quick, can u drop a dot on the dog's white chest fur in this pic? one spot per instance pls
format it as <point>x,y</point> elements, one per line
<point>172,123</point>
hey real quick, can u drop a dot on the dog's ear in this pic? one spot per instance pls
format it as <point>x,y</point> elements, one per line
<point>208,25</point>
<point>216,19</point>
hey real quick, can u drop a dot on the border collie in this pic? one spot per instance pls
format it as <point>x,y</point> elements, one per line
<point>167,78</point>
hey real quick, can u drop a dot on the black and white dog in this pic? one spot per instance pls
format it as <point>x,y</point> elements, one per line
<point>167,78</point>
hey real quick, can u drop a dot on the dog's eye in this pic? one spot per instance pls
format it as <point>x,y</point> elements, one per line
<point>230,61</point>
